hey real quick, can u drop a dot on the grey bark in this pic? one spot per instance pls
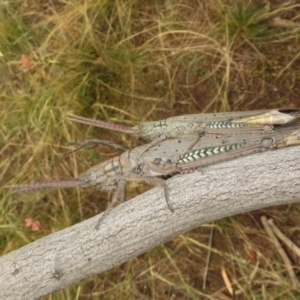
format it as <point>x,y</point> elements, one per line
<point>134,227</point>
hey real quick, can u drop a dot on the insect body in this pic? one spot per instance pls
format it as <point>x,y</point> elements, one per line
<point>168,157</point>
<point>198,125</point>
<point>281,138</point>
<point>107,176</point>
<point>260,121</point>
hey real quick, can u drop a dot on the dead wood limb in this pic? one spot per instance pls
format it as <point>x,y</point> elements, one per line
<point>138,225</point>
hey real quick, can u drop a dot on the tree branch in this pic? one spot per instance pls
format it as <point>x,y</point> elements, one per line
<point>134,227</point>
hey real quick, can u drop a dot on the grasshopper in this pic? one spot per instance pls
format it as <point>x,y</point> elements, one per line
<point>198,158</point>
<point>255,122</point>
<point>105,176</point>
<point>167,157</point>
<point>175,155</point>
<point>197,125</point>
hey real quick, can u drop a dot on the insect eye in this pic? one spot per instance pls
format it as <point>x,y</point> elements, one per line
<point>143,128</point>
<point>92,175</point>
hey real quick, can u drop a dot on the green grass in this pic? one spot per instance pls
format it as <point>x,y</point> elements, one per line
<point>128,62</point>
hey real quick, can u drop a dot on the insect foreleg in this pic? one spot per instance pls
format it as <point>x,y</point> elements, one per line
<point>158,181</point>
<point>118,194</point>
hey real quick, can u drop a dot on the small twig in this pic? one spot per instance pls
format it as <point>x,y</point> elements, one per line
<point>226,280</point>
<point>282,23</point>
<point>287,3</point>
<point>283,238</point>
<point>281,252</point>
<point>253,273</point>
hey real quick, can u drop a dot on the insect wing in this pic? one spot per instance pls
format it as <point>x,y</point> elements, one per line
<point>211,155</point>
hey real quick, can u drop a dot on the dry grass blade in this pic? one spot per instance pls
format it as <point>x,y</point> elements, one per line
<point>283,238</point>
<point>281,252</point>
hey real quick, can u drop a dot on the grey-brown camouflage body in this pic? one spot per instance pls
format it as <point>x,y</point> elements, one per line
<point>252,122</point>
<point>167,157</point>
<point>175,156</point>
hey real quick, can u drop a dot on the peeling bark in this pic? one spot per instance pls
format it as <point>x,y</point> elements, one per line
<point>136,226</point>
